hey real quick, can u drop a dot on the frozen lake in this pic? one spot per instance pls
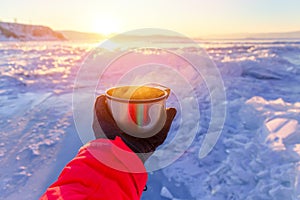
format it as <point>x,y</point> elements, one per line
<point>256,157</point>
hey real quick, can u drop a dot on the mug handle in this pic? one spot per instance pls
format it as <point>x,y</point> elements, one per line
<point>159,86</point>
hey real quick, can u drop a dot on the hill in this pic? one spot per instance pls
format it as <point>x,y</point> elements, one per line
<point>275,35</point>
<point>25,32</point>
<point>76,35</point>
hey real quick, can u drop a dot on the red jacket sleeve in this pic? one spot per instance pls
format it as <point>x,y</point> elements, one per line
<point>102,169</point>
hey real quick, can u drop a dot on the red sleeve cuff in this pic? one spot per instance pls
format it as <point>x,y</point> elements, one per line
<point>117,155</point>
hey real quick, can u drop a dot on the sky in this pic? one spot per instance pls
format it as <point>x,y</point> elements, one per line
<point>189,17</point>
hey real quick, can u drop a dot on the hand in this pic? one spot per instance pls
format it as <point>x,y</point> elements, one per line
<point>104,126</point>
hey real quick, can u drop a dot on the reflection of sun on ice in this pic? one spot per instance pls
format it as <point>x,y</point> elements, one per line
<point>106,26</point>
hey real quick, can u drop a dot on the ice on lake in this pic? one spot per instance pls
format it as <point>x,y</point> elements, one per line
<point>256,157</point>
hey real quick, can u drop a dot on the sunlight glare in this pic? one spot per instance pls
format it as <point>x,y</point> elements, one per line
<point>106,26</point>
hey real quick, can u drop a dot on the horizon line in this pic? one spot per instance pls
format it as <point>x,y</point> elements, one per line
<point>210,36</point>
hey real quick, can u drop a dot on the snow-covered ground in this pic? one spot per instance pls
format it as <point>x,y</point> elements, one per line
<point>256,157</point>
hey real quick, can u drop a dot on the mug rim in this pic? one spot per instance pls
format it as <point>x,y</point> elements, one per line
<point>135,100</point>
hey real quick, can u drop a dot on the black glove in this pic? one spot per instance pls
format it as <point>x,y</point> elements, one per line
<point>104,126</point>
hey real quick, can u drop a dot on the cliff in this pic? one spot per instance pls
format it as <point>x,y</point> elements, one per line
<point>25,32</point>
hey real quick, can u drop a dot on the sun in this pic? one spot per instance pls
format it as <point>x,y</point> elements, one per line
<point>106,26</point>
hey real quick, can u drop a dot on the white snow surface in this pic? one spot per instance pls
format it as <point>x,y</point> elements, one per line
<point>256,157</point>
